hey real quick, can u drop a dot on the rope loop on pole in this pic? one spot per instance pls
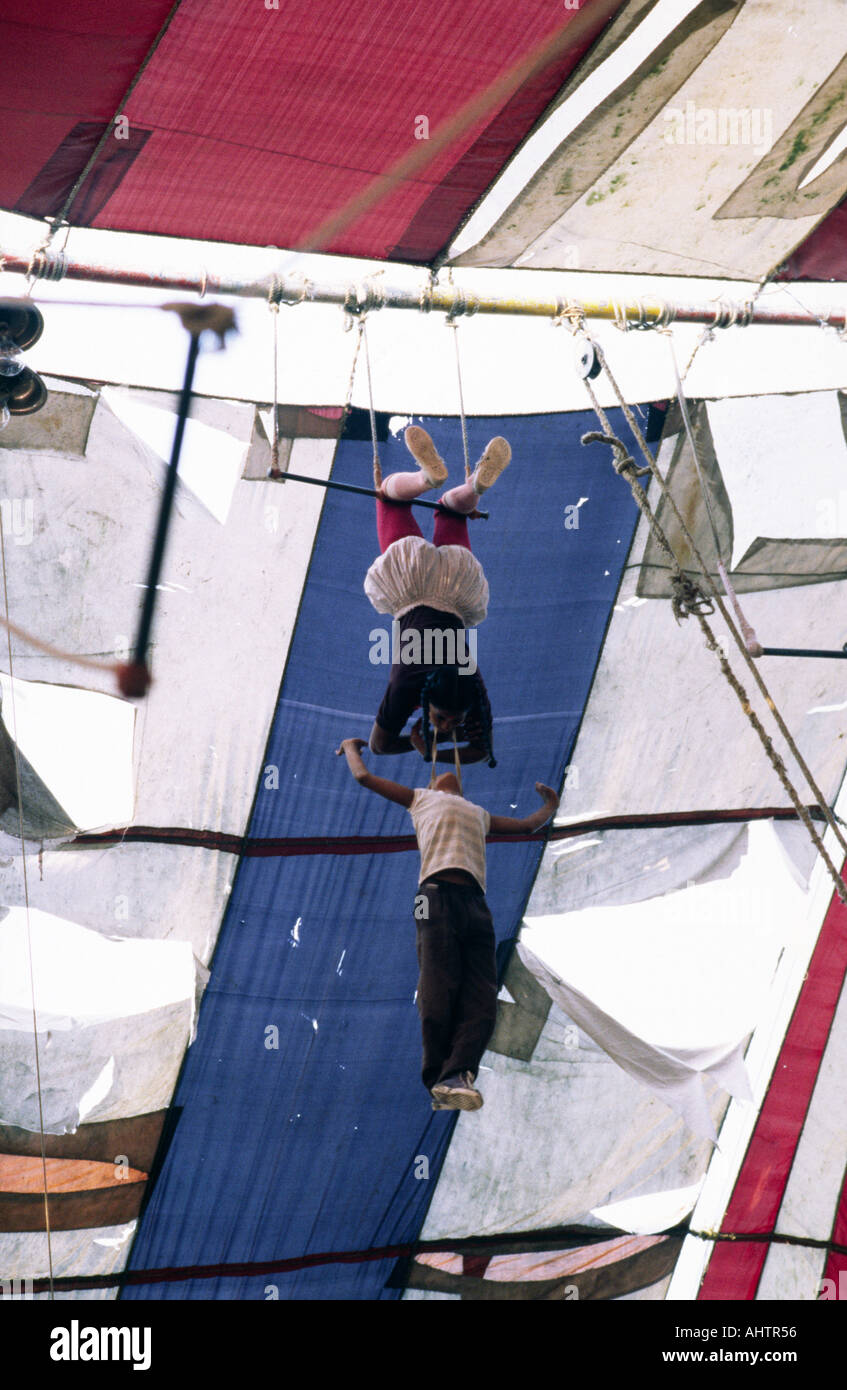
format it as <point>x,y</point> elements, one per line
<point>636,315</point>
<point>465,302</point>
<point>45,264</point>
<point>360,299</point>
<point>289,290</point>
<point>570,313</point>
<point>727,314</point>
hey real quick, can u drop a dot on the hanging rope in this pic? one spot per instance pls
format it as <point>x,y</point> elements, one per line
<point>456,761</point>
<point>721,606</point>
<point>377,466</point>
<point>691,601</point>
<point>274,471</point>
<point>751,641</point>
<point>451,323</point>
<point>19,794</point>
<point>114,667</point>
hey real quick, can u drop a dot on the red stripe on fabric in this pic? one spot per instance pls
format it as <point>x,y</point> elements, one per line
<point>518,1242</point>
<point>836,1264</point>
<point>282,846</point>
<point>734,1271</point>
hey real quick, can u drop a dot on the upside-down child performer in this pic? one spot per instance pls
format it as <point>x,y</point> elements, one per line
<point>436,587</point>
<point>457,987</point>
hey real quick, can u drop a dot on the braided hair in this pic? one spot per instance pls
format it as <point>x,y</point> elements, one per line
<point>449,690</point>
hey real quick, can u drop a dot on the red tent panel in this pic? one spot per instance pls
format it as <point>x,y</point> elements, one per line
<point>252,124</point>
<point>735,1267</point>
<point>63,64</point>
<point>823,255</point>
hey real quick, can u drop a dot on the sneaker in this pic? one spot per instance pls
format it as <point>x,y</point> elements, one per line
<point>497,454</point>
<point>426,456</point>
<point>457,1092</point>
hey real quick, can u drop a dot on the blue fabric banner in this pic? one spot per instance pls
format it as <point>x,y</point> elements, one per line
<point>302,1109</point>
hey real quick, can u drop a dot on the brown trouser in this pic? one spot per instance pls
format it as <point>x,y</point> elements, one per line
<point>457,988</point>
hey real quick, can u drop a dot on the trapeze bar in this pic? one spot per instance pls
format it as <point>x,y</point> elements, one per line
<point>369,492</point>
<point>802,651</point>
<point>453,300</point>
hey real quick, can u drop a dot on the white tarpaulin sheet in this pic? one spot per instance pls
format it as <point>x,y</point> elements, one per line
<point>113,1019</point>
<point>692,969</point>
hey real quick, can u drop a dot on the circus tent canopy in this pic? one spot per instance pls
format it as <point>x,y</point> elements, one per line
<point>260,1074</point>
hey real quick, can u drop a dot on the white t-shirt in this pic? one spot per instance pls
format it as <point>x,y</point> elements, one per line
<point>451,833</point>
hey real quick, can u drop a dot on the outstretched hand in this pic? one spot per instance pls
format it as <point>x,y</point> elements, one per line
<point>547,794</point>
<point>357,744</point>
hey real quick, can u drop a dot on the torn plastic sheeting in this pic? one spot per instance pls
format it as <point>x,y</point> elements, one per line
<point>114,1019</point>
<point>80,977</point>
<point>98,1250</point>
<point>675,1075</point>
<point>559,1136</point>
<point>78,743</point>
<point>654,1211</point>
<point>612,867</point>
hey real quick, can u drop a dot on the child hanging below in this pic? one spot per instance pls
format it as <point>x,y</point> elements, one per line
<point>432,588</point>
<point>457,987</point>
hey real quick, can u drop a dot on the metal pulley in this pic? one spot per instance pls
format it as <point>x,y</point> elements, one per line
<point>587,358</point>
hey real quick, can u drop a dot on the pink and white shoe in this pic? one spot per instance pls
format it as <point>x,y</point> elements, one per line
<point>497,454</point>
<point>426,456</point>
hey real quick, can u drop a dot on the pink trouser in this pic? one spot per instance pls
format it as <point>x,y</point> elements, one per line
<point>394,520</point>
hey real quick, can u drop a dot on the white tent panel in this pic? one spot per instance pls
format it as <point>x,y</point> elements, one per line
<point>606,868</point>
<point>79,743</point>
<point>81,978</point>
<point>113,1019</point>
<point>211,461</point>
<point>96,1250</point>
<point>697,750</point>
<point>656,1211</point>
<point>682,195</point>
<point>167,891</point>
<point>559,1137</point>
<point>792,1273</point>
<point>783,460</point>
<point>225,612</point>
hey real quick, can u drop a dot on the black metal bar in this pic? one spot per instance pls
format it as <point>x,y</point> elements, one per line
<point>802,651</point>
<point>367,492</point>
<point>157,554</point>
